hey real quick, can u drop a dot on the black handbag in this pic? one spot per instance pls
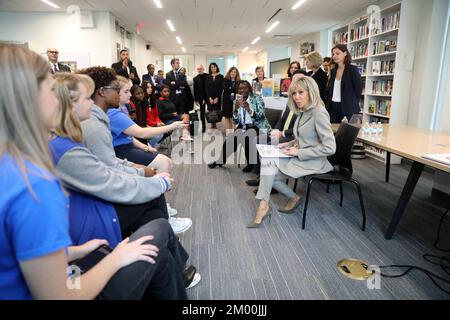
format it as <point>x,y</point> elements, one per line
<point>214,116</point>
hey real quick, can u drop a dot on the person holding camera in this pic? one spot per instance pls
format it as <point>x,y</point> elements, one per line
<point>249,115</point>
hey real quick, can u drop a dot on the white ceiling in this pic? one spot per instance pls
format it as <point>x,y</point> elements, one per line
<point>218,25</point>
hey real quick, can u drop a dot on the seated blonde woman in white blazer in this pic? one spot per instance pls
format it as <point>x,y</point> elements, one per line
<point>314,142</point>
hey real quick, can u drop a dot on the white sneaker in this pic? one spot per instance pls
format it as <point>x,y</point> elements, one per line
<point>186,138</point>
<point>180,225</point>
<point>172,212</point>
<point>195,281</point>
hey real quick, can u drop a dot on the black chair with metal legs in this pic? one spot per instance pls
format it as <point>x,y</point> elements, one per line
<point>342,168</point>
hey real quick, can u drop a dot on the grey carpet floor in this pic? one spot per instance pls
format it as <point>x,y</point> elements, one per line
<point>282,261</point>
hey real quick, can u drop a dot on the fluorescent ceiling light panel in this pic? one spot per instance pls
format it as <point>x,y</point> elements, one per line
<point>245,49</point>
<point>171,27</point>
<point>272,26</point>
<point>298,4</point>
<point>256,40</point>
<point>51,4</point>
<point>179,40</point>
<point>158,4</point>
<point>183,48</point>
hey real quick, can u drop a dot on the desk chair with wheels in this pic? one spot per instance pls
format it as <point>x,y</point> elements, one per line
<point>342,168</point>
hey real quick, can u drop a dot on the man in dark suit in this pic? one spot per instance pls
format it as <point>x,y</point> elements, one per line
<point>177,83</point>
<point>152,78</point>
<point>125,68</point>
<point>52,55</point>
<point>200,93</point>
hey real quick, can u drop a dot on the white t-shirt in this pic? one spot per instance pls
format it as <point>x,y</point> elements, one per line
<point>337,91</point>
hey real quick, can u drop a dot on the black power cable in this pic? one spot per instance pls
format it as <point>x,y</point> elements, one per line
<point>443,262</point>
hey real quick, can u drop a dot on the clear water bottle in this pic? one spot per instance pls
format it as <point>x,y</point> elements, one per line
<point>366,129</point>
<point>380,128</point>
<point>344,120</point>
<point>373,128</point>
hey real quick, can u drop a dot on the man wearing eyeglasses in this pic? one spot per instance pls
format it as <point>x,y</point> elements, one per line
<point>52,55</point>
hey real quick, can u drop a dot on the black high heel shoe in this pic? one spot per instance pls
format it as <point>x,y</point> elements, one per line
<point>214,164</point>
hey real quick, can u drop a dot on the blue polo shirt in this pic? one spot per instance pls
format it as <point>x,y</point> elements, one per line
<point>119,122</point>
<point>32,225</point>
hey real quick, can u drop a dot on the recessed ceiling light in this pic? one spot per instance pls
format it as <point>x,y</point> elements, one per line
<point>298,4</point>
<point>256,40</point>
<point>171,27</point>
<point>158,4</point>
<point>245,49</point>
<point>183,48</point>
<point>179,40</point>
<point>272,26</point>
<point>51,4</point>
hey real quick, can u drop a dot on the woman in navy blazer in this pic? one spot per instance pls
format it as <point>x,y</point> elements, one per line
<point>345,86</point>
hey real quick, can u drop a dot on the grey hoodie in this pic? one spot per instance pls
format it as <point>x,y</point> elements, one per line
<point>105,177</point>
<point>80,170</point>
<point>97,138</point>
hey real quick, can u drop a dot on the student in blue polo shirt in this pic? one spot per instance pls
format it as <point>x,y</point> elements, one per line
<point>126,145</point>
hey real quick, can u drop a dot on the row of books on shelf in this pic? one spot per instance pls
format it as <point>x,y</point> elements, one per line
<point>383,67</point>
<point>384,46</point>
<point>360,50</point>
<point>360,32</point>
<point>382,87</point>
<point>386,24</point>
<point>381,107</point>
<point>341,37</point>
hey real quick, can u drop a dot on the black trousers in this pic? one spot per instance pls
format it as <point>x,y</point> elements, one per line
<point>142,280</point>
<point>134,216</point>
<point>239,136</point>
<point>202,114</point>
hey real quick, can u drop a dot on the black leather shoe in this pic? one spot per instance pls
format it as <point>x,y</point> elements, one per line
<point>248,168</point>
<point>203,129</point>
<point>271,192</point>
<point>188,275</point>
<point>252,183</point>
<point>214,164</point>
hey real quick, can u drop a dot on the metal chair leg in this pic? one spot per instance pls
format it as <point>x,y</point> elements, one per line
<point>363,211</point>
<point>308,190</point>
<point>295,185</point>
<point>328,188</point>
<point>342,194</point>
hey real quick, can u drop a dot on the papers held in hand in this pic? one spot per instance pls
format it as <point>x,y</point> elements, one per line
<point>270,151</point>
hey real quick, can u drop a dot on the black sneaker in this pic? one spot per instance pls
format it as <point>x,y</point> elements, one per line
<point>271,192</point>
<point>252,183</point>
<point>188,275</point>
<point>248,168</point>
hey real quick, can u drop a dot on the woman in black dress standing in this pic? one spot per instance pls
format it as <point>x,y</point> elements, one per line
<point>214,88</point>
<point>230,83</point>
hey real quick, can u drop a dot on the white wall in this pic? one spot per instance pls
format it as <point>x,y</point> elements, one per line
<point>43,30</point>
<point>429,47</point>
<point>246,62</point>
<point>200,58</point>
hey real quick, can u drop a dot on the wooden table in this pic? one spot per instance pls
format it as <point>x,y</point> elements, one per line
<point>410,143</point>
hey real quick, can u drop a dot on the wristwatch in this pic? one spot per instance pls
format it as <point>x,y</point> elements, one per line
<point>147,149</point>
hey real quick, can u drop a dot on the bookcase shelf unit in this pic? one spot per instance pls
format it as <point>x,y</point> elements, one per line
<point>373,44</point>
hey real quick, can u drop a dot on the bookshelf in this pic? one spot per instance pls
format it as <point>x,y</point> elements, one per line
<point>373,44</point>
